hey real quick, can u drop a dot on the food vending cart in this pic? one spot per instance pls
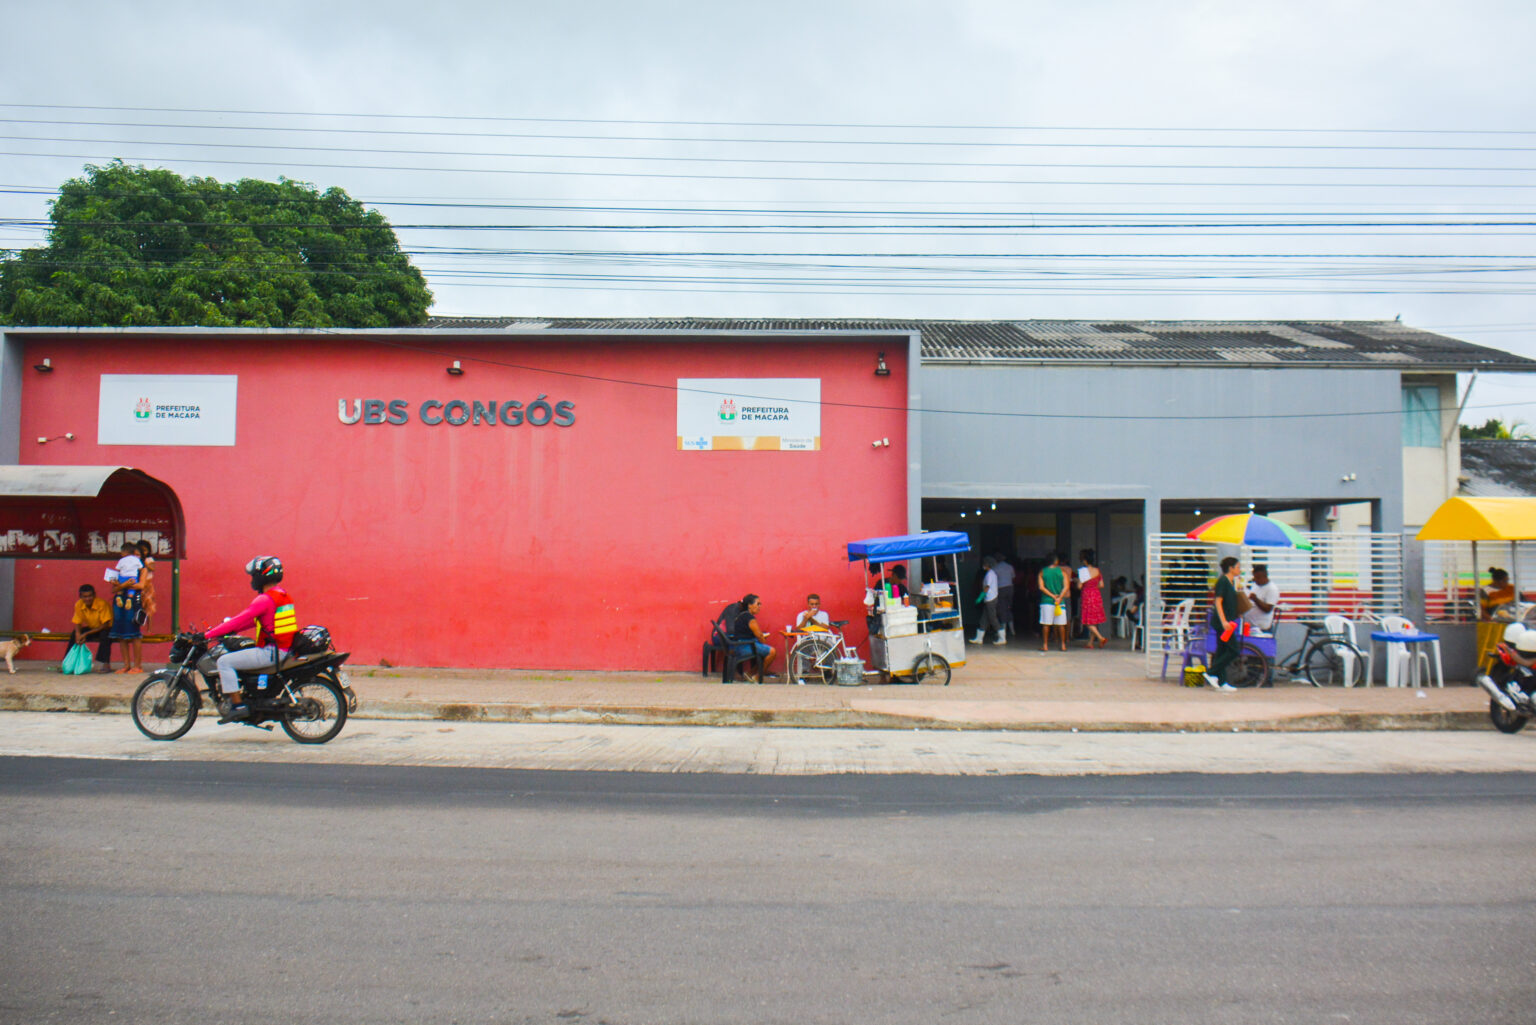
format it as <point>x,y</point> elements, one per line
<point>918,639</point>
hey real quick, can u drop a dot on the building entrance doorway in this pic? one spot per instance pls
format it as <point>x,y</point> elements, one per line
<point>1025,533</point>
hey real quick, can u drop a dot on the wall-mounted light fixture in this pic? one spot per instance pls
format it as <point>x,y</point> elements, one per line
<point>881,443</point>
<point>1347,478</point>
<point>66,436</point>
<point>456,370</point>
<point>881,370</point>
<point>994,505</point>
<point>45,367</point>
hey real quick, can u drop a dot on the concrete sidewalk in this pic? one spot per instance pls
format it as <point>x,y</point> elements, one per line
<point>1012,688</point>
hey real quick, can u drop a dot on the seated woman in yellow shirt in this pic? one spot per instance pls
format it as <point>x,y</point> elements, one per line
<point>1498,598</point>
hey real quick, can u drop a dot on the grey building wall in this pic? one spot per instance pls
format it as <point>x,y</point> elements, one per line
<point>1083,439</point>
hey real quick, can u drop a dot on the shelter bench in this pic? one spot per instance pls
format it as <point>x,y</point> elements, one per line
<point>147,638</point>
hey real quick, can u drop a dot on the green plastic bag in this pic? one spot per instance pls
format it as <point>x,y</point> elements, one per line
<point>77,661</point>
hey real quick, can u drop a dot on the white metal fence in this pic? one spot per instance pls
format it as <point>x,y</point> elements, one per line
<point>1451,577</point>
<point>1355,575</point>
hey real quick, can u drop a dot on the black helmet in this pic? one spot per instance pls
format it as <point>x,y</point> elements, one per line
<point>264,570</point>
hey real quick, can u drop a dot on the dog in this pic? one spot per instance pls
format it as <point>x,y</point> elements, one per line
<point>10,649</point>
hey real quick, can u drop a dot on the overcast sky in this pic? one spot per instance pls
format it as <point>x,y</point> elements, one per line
<point>986,160</point>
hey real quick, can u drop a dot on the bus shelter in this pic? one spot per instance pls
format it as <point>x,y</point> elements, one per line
<point>1511,520</point>
<point>87,512</point>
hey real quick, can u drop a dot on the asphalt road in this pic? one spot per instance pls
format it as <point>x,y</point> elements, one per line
<point>239,892</point>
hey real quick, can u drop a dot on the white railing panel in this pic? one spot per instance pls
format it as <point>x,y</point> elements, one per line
<point>1355,575</point>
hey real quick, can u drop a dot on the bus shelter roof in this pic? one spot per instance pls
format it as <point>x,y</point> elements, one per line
<point>1482,519</point>
<point>86,512</point>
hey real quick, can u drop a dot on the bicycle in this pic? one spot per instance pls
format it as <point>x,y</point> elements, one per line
<point>1324,659</point>
<point>814,656</point>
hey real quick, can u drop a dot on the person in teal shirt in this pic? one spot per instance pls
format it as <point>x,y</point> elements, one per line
<point>1054,603</point>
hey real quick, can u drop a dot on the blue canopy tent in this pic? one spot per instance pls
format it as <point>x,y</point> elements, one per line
<point>908,546</point>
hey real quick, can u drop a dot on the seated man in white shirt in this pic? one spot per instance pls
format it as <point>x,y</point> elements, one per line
<point>814,617</point>
<point>1265,595</point>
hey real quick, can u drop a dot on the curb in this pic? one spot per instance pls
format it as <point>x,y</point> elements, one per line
<point>641,715</point>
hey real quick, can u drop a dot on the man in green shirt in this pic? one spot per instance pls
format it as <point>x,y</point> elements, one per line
<point>1224,611</point>
<point>1054,589</point>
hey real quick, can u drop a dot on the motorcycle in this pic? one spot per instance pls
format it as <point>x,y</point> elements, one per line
<point>1511,685</point>
<point>308,694</point>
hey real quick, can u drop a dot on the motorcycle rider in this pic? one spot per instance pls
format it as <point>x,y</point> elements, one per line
<point>273,610</point>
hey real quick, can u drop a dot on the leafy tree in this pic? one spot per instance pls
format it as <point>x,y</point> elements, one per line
<point>1497,430</point>
<point>135,246</point>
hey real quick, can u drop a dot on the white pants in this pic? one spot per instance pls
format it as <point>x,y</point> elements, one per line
<point>246,659</point>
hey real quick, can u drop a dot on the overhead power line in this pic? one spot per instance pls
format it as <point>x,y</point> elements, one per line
<point>823,179</point>
<point>868,125</point>
<point>832,161</point>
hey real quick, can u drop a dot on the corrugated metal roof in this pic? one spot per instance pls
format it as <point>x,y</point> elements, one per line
<point>1183,342</point>
<point>1495,468</point>
<point>55,481</point>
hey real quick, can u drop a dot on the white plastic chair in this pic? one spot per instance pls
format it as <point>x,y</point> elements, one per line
<point>1176,638</point>
<point>1120,611</point>
<point>1339,626</point>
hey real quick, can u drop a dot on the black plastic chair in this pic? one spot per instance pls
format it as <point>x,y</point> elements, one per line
<point>735,657</point>
<point>718,644</point>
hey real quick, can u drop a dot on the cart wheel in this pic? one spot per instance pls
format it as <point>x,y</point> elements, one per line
<point>1250,668</point>
<point>931,668</point>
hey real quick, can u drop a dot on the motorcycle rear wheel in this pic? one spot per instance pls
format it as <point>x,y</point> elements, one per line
<point>320,713</point>
<point>163,709</point>
<point>1504,720</point>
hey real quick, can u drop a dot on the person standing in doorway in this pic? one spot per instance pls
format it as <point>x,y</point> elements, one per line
<point>1225,621</point>
<point>1054,591</point>
<point>1092,587</point>
<point>988,599</point>
<point>1004,570</point>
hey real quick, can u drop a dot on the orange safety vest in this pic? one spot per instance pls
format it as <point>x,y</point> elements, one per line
<point>285,621</point>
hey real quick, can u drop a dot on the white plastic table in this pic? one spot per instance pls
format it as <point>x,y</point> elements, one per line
<point>1389,639</point>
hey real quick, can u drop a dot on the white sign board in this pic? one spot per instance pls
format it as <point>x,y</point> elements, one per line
<point>762,414</point>
<point>166,409</point>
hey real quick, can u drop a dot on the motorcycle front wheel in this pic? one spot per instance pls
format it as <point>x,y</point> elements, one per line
<point>319,711</point>
<point>1504,720</point>
<point>164,708</point>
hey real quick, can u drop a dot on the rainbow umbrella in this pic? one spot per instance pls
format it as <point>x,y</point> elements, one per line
<point>1249,529</point>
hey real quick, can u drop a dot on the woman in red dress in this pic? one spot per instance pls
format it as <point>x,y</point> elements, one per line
<point>1092,598</point>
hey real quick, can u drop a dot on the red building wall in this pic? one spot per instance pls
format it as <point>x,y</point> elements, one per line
<point>597,545</point>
